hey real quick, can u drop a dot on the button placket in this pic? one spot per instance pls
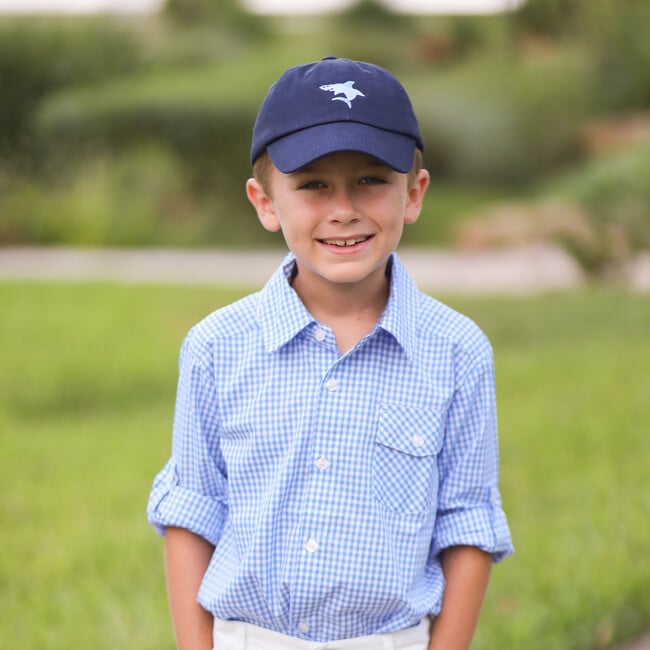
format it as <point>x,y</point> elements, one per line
<point>331,385</point>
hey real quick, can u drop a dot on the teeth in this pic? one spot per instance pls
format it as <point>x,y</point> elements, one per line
<point>344,242</point>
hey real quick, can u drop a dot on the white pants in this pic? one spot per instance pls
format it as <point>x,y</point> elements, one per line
<point>235,635</point>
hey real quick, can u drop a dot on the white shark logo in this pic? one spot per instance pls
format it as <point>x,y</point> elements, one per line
<point>345,89</point>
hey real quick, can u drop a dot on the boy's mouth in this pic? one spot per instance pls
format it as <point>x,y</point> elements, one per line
<point>342,243</point>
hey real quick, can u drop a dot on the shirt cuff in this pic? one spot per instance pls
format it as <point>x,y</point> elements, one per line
<point>172,505</point>
<point>483,526</point>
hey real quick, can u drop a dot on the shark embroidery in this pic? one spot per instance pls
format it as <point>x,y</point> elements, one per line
<point>343,89</point>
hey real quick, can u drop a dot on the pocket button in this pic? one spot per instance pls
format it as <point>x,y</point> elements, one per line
<point>418,440</point>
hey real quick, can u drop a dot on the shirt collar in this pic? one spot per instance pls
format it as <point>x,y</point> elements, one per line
<point>400,316</point>
<point>282,315</point>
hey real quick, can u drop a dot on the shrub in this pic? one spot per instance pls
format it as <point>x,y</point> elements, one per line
<point>549,18</point>
<point>621,49</point>
<point>224,14</point>
<point>614,192</point>
<point>370,14</point>
<point>503,122</point>
<point>599,213</point>
<point>197,114</point>
<point>140,197</point>
<point>614,32</point>
<point>39,57</point>
<point>127,200</point>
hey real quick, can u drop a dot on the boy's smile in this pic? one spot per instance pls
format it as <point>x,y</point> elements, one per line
<point>341,216</point>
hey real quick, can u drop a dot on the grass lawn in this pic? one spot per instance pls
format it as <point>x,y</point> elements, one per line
<point>87,381</point>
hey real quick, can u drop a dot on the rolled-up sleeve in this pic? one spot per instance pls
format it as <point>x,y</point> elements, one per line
<point>191,490</point>
<point>469,503</point>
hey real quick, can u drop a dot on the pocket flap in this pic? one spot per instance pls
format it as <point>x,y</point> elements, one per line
<point>410,429</point>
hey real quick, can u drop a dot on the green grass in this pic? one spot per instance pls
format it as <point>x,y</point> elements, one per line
<point>87,384</point>
<point>574,424</point>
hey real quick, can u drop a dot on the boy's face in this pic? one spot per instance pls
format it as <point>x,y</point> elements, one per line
<point>341,216</point>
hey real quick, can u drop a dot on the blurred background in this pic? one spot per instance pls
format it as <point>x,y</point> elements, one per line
<point>127,125</point>
<point>132,129</point>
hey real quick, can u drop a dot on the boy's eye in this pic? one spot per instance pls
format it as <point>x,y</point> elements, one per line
<point>371,180</point>
<point>312,185</point>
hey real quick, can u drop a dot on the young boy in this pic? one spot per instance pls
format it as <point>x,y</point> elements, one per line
<point>333,477</point>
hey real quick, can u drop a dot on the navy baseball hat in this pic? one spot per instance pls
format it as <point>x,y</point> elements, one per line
<point>336,105</point>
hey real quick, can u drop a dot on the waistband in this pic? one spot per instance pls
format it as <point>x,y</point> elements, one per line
<point>237,635</point>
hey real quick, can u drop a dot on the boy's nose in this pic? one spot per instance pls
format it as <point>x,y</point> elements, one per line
<point>343,208</point>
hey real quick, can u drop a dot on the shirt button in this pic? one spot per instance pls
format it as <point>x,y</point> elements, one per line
<point>322,463</point>
<point>332,385</point>
<point>311,546</point>
<point>418,440</point>
<point>319,335</point>
<point>303,627</point>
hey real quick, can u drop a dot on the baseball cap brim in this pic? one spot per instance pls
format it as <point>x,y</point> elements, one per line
<point>300,148</point>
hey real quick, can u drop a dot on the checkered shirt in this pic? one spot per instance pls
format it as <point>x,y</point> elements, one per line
<point>330,483</point>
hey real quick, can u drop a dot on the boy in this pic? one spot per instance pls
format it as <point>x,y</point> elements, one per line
<point>333,478</point>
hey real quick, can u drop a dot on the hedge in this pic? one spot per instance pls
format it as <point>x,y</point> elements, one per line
<point>38,57</point>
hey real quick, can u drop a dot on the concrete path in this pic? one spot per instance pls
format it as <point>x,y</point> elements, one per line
<point>525,270</point>
<point>514,271</point>
<point>642,643</point>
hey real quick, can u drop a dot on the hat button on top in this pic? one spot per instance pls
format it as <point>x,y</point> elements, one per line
<point>329,58</point>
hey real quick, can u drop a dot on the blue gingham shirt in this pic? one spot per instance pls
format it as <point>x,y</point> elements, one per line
<point>331,483</point>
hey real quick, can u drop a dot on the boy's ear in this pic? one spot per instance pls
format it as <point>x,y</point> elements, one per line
<point>416,196</point>
<point>263,205</point>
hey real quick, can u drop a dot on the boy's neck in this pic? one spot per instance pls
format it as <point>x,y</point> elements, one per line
<point>351,311</point>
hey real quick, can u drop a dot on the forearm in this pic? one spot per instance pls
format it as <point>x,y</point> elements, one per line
<point>186,559</point>
<point>467,573</point>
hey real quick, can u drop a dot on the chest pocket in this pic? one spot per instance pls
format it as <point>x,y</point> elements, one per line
<point>405,468</point>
